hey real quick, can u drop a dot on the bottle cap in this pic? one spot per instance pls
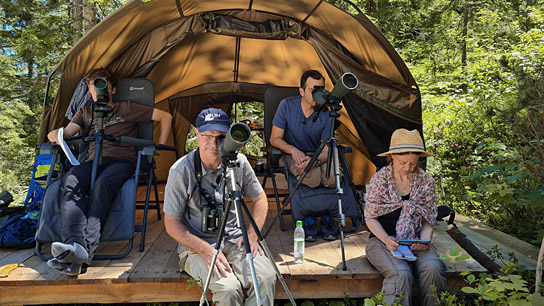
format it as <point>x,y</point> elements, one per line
<point>299,223</point>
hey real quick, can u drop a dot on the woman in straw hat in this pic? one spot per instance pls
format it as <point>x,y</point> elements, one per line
<point>401,205</point>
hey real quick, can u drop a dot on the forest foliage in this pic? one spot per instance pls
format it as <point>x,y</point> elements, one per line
<point>479,66</point>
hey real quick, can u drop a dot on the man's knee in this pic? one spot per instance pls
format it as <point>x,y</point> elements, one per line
<point>312,178</point>
<point>228,293</point>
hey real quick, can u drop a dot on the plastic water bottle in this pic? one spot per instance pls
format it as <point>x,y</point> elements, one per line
<point>299,243</point>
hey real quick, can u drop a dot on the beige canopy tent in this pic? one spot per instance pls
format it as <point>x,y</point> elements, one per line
<point>202,53</point>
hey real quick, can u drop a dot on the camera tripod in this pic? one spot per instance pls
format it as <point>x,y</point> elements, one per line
<point>235,196</point>
<point>333,161</point>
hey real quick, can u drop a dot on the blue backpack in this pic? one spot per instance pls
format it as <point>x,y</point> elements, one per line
<point>19,230</point>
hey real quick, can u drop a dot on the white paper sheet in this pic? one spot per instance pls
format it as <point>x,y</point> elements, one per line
<point>60,136</point>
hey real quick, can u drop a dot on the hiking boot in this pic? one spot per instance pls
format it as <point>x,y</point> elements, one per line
<point>65,268</point>
<point>69,253</point>
<point>310,229</point>
<point>328,227</point>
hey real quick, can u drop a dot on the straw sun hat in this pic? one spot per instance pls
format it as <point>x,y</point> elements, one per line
<point>403,141</point>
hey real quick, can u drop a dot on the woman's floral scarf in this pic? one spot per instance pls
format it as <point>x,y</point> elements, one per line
<point>382,197</point>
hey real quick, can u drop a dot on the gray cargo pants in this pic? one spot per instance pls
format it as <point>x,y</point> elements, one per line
<point>399,274</point>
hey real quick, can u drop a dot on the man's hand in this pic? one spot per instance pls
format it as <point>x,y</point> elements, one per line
<point>303,163</point>
<point>253,243</point>
<point>221,264</point>
<point>52,136</point>
<point>298,156</point>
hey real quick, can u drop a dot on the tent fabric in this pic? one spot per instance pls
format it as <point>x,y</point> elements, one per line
<point>199,53</point>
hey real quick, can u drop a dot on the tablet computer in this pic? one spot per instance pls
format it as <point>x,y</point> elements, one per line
<point>409,242</point>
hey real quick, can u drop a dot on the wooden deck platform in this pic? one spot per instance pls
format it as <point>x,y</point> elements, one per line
<point>153,275</point>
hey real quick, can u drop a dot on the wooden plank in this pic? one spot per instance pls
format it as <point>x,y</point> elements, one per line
<point>119,270</point>
<point>26,273</point>
<point>16,257</point>
<point>153,275</point>
<point>171,272</point>
<point>508,241</point>
<point>151,267</point>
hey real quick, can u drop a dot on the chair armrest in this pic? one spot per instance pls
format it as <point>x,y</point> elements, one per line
<point>271,150</point>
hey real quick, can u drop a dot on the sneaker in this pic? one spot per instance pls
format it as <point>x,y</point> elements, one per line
<point>309,238</point>
<point>65,268</point>
<point>69,253</point>
<point>329,237</point>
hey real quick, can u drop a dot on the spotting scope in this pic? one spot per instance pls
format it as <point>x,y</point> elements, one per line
<point>101,88</point>
<point>343,86</point>
<point>237,136</point>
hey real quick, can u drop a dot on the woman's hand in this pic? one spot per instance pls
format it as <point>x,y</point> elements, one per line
<point>391,243</point>
<point>420,246</point>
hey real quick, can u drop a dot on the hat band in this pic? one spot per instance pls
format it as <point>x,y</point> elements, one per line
<point>407,147</point>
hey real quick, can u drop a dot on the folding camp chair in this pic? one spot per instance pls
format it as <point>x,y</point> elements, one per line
<point>120,225</point>
<point>272,98</point>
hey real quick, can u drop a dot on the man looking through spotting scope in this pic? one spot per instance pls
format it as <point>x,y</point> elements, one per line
<point>296,133</point>
<point>195,195</point>
<point>83,220</point>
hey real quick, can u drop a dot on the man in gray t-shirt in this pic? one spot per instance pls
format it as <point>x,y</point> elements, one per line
<point>184,202</point>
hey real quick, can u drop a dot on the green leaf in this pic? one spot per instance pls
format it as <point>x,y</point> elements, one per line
<point>469,290</point>
<point>463,257</point>
<point>516,177</point>
<point>455,251</point>
<point>492,169</point>
<point>369,302</point>
<point>536,299</point>
<point>471,278</point>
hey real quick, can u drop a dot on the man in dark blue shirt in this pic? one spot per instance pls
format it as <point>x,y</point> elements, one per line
<point>296,134</point>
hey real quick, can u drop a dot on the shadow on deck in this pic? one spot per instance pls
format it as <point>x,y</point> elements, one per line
<point>153,275</point>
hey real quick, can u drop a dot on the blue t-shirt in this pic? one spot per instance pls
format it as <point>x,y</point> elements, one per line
<point>299,131</point>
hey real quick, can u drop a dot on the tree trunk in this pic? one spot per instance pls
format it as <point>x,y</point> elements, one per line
<point>464,37</point>
<point>472,250</point>
<point>77,15</point>
<point>89,13</point>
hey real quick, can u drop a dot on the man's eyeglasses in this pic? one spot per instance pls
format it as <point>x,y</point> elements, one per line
<point>210,138</point>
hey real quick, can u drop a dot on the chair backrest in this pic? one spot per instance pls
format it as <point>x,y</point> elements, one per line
<point>272,98</point>
<point>141,91</point>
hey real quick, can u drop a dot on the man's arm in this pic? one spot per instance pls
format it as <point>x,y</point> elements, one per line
<point>276,140</point>
<point>183,236</point>
<point>165,120</point>
<point>70,130</point>
<point>260,208</point>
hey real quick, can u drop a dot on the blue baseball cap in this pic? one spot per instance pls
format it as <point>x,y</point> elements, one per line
<point>212,119</point>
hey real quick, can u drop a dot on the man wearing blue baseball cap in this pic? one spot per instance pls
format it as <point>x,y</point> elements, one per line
<point>195,195</point>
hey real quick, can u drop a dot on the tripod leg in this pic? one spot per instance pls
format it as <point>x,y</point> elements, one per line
<point>287,199</point>
<point>339,193</point>
<point>249,254</point>
<point>345,167</point>
<point>263,244</point>
<point>215,253</point>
